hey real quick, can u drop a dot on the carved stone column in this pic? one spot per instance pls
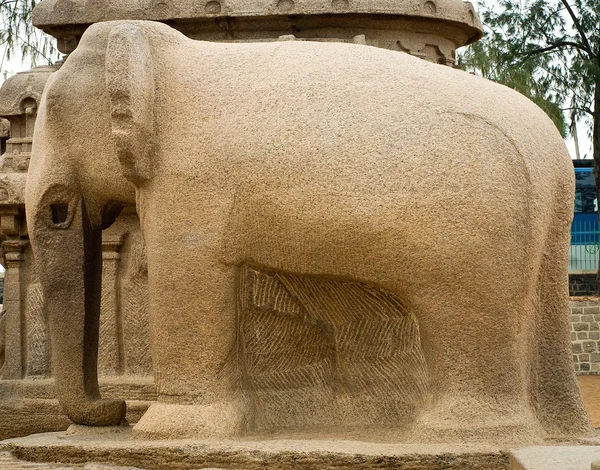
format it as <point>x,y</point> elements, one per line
<point>15,341</point>
<point>38,341</point>
<point>110,350</point>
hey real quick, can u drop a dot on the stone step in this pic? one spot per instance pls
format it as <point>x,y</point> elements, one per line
<point>554,457</point>
<point>117,447</point>
<point>8,462</point>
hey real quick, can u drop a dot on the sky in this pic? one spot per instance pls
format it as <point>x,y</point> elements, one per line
<point>11,67</point>
<point>585,142</point>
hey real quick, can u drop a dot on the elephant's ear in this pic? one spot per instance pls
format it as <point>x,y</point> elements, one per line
<point>130,85</point>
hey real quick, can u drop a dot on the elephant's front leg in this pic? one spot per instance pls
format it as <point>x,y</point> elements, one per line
<point>192,329</point>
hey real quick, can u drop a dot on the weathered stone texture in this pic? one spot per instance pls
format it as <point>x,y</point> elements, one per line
<point>124,304</point>
<point>306,363</point>
<point>30,406</point>
<point>342,173</point>
<point>431,30</point>
<point>133,294</point>
<point>119,449</point>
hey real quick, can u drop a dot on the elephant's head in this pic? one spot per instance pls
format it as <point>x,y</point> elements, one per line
<point>92,142</point>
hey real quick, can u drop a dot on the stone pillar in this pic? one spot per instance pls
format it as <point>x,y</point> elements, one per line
<point>38,347</point>
<point>134,300</point>
<point>110,349</point>
<point>15,341</point>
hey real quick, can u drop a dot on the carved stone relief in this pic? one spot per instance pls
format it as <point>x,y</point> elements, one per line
<point>123,318</point>
<point>306,361</point>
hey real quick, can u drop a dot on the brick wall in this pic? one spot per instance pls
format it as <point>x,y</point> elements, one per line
<point>585,334</point>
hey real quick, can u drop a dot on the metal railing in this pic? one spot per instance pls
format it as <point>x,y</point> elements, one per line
<point>585,246</point>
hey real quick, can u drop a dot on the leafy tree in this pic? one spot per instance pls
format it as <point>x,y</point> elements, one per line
<point>19,38</point>
<point>490,59</point>
<point>549,50</point>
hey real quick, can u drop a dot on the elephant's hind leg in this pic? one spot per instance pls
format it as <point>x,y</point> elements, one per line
<point>553,388</point>
<point>470,320</point>
<point>477,388</point>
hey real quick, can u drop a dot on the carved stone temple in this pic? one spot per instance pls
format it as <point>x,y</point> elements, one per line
<point>265,187</point>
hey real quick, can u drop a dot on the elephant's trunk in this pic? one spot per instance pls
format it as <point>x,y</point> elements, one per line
<point>68,252</point>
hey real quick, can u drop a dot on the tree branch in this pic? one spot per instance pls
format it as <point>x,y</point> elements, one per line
<point>554,46</point>
<point>584,39</point>
<point>585,109</point>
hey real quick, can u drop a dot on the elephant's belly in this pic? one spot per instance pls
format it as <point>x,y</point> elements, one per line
<point>390,240</point>
<point>406,236</point>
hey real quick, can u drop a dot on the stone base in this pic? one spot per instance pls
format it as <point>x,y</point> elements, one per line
<point>113,448</point>
<point>118,449</point>
<point>554,458</point>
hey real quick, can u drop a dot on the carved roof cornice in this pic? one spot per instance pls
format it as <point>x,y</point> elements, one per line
<point>67,19</point>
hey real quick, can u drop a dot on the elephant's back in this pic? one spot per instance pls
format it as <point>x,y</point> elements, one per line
<point>310,150</point>
<point>293,111</point>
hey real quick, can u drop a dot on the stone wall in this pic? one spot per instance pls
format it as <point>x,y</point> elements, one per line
<point>585,334</point>
<point>582,284</point>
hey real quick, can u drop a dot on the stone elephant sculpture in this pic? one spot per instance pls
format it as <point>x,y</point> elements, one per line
<point>330,160</point>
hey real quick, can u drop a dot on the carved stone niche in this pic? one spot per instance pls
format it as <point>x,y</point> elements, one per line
<point>429,29</point>
<point>27,398</point>
<point>19,99</point>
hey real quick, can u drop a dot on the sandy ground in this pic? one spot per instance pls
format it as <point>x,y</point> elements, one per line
<point>590,389</point>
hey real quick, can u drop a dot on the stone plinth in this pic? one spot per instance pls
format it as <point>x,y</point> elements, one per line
<point>117,448</point>
<point>554,458</point>
<point>113,448</point>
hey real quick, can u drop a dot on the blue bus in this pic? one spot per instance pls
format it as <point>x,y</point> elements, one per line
<point>585,232</point>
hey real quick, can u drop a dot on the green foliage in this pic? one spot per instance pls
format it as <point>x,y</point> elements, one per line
<point>549,50</point>
<point>19,39</point>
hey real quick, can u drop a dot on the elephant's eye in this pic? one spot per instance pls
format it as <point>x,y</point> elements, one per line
<point>59,212</point>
